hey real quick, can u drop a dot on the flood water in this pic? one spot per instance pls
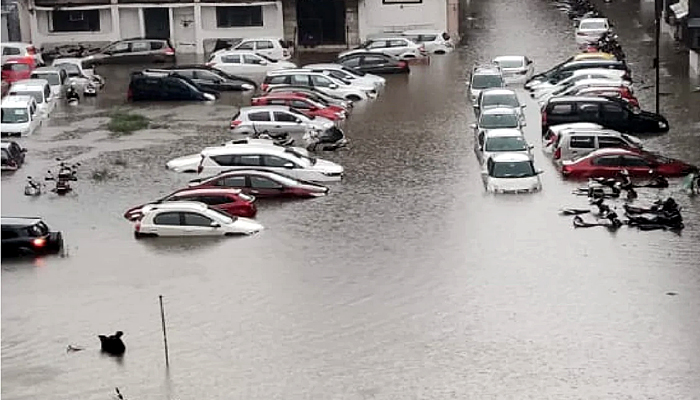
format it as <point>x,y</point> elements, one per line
<point>406,282</point>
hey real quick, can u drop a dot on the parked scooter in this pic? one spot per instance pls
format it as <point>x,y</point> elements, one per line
<point>330,139</point>
<point>33,187</point>
<point>72,95</point>
<point>607,218</point>
<point>281,139</point>
<point>66,173</point>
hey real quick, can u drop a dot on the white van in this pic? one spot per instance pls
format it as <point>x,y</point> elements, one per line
<point>57,77</point>
<point>37,88</point>
<point>19,116</point>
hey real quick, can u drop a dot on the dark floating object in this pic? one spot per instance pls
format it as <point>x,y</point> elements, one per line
<point>119,394</point>
<point>72,348</point>
<point>671,293</point>
<point>113,344</point>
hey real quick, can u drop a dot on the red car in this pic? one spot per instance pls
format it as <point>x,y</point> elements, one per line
<point>232,201</point>
<point>18,68</point>
<point>304,104</point>
<point>608,163</point>
<point>311,96</point>
<point>261,184</point>
<point>622,91</point>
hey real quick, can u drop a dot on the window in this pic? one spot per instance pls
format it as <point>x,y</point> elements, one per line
<point>140,46</point>
<point>215,200</point>
<point>633,161</point>
<point>613,111</point>
<point>264,183</point>
<point>157,45</point>
<point>9,234</point>
<point>264,44</point>
<point>320,81</point>
<point>229,17</point>
<point>246,46</point>
<point>121,47</point>
<point>10,51</point>
<point>300,80</point>
<point>273,161</point>
<point>277,102</point>
<point>485,81</point>
<point>582,142</point>
<point>588,110</point>
<point>608,161</point>
<point>186,73</point>
<point>397,43</point>
<point>224,160</point>
<point>232,181</point>
<point>194,219</point>
<point>231,59</point>
<point>604,142</point>
<point>259,116</point>
<point>75,21</point>
<point>301,104</point>
<point>15,67</point>
<point>206,75</point>
<point>14,115</point>
<point>248,160</point>
<point>49,76</point>
<point>351,62</point>
<point>167,218</point>
<point>378,44</point>
<point>284,117</point>
<point>251,59</point>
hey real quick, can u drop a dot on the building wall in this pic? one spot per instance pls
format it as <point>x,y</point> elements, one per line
<point>129,23</point>
<point>42,36</point>
<point>377,17</point>
<point>272,24</point>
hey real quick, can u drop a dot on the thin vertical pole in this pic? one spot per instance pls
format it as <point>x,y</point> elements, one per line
<point>165,336</point>
<point>657,36</point>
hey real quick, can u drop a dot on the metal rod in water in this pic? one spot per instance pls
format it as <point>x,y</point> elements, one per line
<point>165,335</point>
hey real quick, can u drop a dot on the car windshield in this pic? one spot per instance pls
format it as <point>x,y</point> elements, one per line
<point>71,69</point>
<point>514,169</point>
<point>15,67</point>
<point>506,143</point>
<point>509,100</point>
<point>14,115</point>
<point>593,25</point>
<point>299,113</point>
<point>352,71</point>
<point>36,94</point>
<point>302,154</point>
<point>494,121</point>
<point>225,217</point>
<point>486,81</point>
<point>49,76</point>
<point>510,63</point>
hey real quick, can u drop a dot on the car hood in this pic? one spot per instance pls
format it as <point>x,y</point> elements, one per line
<point>184,163</point>
<point>530,183</point>
<point>328,166</point>
<point>14,128</point>
<point>284,65</point>
<point>247,225</point>
<point>323,123</point>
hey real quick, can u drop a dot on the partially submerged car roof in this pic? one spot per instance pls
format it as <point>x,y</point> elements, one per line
<point>20,221</point>
<point>510,157</point>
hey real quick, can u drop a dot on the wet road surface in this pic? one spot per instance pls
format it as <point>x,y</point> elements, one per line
<point>407,281</point>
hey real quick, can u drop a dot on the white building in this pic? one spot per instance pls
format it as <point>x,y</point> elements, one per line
<point>194,25</point>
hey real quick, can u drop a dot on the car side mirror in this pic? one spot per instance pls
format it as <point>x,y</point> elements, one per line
<point>532,146</point>
<point>529,62</point>
<point>298,121</point>
<point>289,165</point>
<point>333,86</point>
<point>473,126</point>
<point>215,224</point>
<point>263,62</point>
<point>524,123</point>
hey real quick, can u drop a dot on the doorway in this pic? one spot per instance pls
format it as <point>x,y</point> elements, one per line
<point>157,23</point>
<point>321,22</point>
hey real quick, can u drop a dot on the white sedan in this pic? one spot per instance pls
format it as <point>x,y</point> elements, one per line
<point>189,218</point>
<point>238,62</point>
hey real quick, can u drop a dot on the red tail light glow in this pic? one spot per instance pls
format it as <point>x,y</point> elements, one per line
<point>557,153</point>
<point>137,226</point>
<point>169,51</point>
<point>39,242</point>
<point>402,64</point>
<point>235,123</point>
<point>31,50</point>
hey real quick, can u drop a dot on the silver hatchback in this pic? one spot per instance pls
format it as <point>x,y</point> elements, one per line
<point>276,120</point>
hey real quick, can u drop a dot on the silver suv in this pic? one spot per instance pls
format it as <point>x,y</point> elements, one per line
<point>484,77</point>
<point>578,141</point>
<point>401,47</point>
<point>276,119</point>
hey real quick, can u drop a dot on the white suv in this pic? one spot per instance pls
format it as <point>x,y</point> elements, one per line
<point>286,160</point>
<point>273,48</point>
<point>322,81</point>
<point>435,42</point>
<point>19,116</point>
<point>401,47</point>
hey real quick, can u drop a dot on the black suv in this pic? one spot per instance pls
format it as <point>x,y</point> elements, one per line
<point>133,51</point>
<point>611,113</point>
<point>209,77</point>
<point>147,86</point>
<point>28,236</point>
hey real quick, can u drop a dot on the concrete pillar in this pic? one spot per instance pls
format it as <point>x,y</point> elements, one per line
<point>142,23</point>
<point>694,61</point>
<point>116,29</point>
<point>289,20</point>
<point>453,19</point>
<point>198,37</point>
<point>171,25</point>
<point>33,27</point>
<point>352,23</point>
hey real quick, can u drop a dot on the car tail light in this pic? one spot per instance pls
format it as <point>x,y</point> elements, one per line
<point>544,118</point>
<point>169,51</point>
<point>565,170</point>
<point>402,64</point>
<point>137,226</point>
<point>235,123</point>
<point>264,86</point>
<point>31,50</point>
<point>39,242</point>
<point>557,153</point>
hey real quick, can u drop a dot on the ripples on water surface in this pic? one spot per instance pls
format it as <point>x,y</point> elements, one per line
<point>406,282</point>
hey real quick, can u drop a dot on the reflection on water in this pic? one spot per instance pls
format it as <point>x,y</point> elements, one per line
<point>407,280</point>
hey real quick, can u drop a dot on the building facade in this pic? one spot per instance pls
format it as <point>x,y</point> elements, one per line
<point>193,26</point>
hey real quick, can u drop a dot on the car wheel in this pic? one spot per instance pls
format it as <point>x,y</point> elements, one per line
<point>55,244</point>
<point>354,97</point>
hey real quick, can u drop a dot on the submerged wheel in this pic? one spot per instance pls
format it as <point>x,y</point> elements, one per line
<point>354,97</point>
<point>55,242</point>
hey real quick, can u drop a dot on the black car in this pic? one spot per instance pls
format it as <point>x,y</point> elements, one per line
<point>374,63</point>
<point>12,155</point>
<point>133,51</point>
<point>562,71</point>
<point>611,113</point>
<point>211,78</point>
<point>29,236</point>
<point>165,86</point>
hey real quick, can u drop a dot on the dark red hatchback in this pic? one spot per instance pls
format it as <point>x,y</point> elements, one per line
<point>260,183</point>
<point>232,201</point>
<point>609,162</point>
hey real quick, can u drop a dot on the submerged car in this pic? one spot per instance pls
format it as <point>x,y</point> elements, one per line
<point>511,173</point>
<point>29,236</point>
<point>165,87</point>
<point>515,69</point>
<point>608,163</point>
<point>189,218</point>
<point>210,78</point>
<point>499,98</point>
<point>230,200</point>
<point>305,105</point>
<point>12,155</point>
<point>189,163</point>
<point>498,118</point>
<point>497,141</point>
<point>484,77</point>
<point>276,120</point>
<point>262,184</point>
<point>374,63</point>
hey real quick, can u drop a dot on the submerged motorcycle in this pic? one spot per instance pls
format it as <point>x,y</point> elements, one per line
<point>66,173</point>
<point>664,214</point>
<point>33,187</point>
<point>330,139</point>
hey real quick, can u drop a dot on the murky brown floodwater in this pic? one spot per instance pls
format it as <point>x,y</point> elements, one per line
<point>406,282</point>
